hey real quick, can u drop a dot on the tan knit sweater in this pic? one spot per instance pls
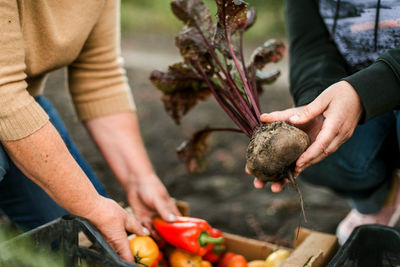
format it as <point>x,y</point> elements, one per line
<point>38,36</point>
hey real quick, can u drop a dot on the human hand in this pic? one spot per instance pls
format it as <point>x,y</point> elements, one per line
<point>148,197</point>
<point>114,222</point>
<point>329,121</point>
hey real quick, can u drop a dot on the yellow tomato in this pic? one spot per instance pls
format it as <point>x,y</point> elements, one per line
<point>257,263</point>
<point>144,249</point>
<point>276,258</point>
<point>180,258</point>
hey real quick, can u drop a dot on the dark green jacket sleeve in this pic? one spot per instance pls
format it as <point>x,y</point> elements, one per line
<point>315,62</point>
<point>379,84</point>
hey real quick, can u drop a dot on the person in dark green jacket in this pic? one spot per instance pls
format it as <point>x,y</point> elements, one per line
<point>345,81</point>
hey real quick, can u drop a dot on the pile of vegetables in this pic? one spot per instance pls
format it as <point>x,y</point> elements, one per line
<point>214,65</point>
<point>192,242</point>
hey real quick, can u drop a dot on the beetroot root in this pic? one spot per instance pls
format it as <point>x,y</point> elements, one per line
<point>274,149</point>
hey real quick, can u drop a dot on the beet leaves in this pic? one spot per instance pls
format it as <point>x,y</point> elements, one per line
<point>214,64</point>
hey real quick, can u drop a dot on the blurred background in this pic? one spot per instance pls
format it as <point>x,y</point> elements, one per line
<point>144,16</point>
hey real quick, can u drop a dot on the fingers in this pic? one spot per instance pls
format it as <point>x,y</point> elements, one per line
<point>133,226</point>
<point>258,184</point>
<point>114,222</point>
<point>277,187</point>
<point>333,134</point>
<point>309,112</point>
<point>121,245</point>
<point>299,115</point>
<point>247,170</point>
<point>120,240</point>
<point>167,210</point>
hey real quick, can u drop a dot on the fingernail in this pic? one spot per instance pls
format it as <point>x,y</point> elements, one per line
<point>294,118</point>
<point>171,217</point>
<point>145,231</point>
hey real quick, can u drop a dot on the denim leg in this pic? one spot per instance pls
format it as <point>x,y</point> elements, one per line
<point>25,203</point>
<point>360,170</point>
<point>3,163</point>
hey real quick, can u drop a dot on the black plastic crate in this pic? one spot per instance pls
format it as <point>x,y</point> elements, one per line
<point>60,238</point>
<point>369,245</point>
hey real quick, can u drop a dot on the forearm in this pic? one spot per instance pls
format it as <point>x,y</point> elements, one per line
<point>44,158</point>
<point>118,138</point>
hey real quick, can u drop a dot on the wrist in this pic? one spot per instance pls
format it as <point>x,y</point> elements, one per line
<point>133,181</point>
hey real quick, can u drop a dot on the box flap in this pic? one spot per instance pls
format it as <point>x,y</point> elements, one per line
<point>316,250</point>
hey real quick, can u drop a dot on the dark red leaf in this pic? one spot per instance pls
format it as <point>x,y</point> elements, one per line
<point>232,15</point>
<point>193,47</point>
<point>194,13</point>
<point>179,103</point>
<point>192,152</point>
<point>179,77</point>
<point>270,51</point>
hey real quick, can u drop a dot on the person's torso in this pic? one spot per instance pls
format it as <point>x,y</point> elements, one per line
<point>362,29</point>
<point>54,32</point>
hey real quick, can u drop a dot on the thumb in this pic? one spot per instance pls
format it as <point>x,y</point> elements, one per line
<point>133,226</point>
<point>307,113</point>
<point>167,211</point>
<point>283,115</point>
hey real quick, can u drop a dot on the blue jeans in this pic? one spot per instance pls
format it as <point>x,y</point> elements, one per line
<point>25,203</point>
<point>360,170</point>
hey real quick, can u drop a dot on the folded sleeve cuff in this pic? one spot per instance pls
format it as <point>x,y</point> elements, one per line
<point>103,106</point>
<point>378,88</point>
<point>22,122</point>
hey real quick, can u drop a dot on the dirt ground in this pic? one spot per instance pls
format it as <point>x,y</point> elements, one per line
<point>224,194</point>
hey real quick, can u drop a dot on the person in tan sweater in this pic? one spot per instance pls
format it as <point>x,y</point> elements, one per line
<point>37,37</point>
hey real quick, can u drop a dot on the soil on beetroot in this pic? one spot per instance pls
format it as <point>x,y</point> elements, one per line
<point>223,194</point>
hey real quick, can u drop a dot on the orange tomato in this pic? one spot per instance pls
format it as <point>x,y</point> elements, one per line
<point>144,250</point>
<point>159,261</point>
<point>231,259</point>
<point>206,263</point>
<point>180,258</point>
<point>237,261</point>
<point>225,259</point>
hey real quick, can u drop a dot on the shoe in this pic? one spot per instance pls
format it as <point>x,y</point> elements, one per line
<point>388,215</point>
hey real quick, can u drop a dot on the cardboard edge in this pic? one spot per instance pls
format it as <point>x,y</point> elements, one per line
<point>316,250</point>
<point>251,249</point>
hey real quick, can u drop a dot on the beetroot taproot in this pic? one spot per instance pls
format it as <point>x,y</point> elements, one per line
<point>274,149</point>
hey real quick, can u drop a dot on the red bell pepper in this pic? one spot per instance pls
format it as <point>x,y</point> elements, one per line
<point>187,233</point>
<point>216,250</point>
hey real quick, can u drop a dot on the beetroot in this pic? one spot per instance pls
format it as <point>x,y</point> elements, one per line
<point>274,149</point>
<point>214,64</point>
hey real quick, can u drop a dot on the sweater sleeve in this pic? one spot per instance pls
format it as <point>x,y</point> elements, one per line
<point>97,80</point>
<point>379,84</point>
<point>20,115</point>
<point>315,62</point>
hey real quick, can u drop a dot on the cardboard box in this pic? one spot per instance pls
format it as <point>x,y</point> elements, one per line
<point>310,248</point>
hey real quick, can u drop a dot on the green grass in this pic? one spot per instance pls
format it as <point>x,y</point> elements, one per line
<point>155,16</point>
